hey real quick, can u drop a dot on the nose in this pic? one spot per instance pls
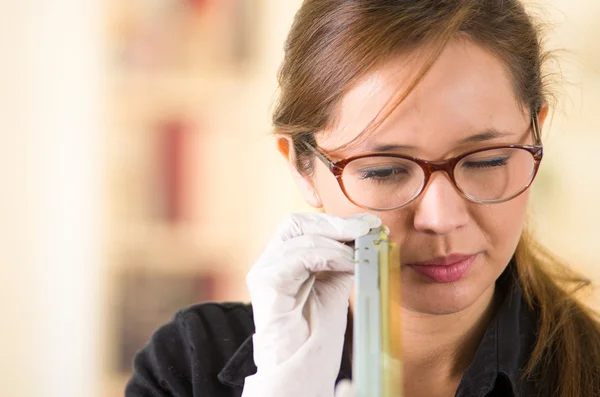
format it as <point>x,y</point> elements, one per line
<point>441,209</point>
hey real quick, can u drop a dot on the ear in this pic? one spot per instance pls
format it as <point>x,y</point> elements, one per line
<point>542,114</point>
<point>285,146</point>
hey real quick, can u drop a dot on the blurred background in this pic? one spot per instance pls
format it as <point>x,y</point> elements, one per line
<point>139,174</point>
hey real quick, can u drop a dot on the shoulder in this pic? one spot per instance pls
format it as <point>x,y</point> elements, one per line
<point>217,327</point>
<point>196,344</point>
<point>215,319</point>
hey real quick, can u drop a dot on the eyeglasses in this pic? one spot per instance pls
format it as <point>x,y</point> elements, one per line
<point>385,181</point>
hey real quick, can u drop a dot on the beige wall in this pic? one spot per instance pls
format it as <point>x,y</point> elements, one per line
<point>566,210</point>
<point>61,151</point>
<point>50,245</point>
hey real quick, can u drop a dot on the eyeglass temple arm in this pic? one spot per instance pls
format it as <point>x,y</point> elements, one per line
<point>536,129</point>
<point>319,155</point>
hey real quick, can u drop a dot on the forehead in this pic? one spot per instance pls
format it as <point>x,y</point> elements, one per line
<point>467,90</point>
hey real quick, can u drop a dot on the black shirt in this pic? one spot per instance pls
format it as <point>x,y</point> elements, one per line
<point>206,351</point>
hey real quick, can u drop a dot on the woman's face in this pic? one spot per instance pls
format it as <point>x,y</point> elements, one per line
<point>466,93</point>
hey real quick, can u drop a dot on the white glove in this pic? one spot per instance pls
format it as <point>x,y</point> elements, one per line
<point>345,389</point>
<point>300,317</point>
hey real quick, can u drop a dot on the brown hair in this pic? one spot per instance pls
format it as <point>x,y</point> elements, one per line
<point>333,43</point>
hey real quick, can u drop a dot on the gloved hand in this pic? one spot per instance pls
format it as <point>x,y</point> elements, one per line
<point>345,389</point>
<point>300,288</point>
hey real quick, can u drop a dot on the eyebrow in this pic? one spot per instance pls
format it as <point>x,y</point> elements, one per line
<point>389,148</point>
<point>486,135</point>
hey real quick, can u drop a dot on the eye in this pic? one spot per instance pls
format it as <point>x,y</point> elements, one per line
<point>383,173</point>
<point>488,163</point>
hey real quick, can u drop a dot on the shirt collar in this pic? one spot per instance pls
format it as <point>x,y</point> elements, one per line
<point>239,366</point>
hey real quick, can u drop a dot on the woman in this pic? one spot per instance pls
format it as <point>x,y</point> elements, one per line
<point>424,116</point>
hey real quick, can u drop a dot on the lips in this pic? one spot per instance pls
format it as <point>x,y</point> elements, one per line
<point>447,269</point>
<point>443,260</point>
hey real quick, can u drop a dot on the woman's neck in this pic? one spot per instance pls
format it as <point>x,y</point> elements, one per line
<point>437,349</point>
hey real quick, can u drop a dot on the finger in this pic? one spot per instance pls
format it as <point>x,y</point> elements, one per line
<point>276,279</point>
<point>317,254</point>
<point>288,267</point>
<point>334,227</point>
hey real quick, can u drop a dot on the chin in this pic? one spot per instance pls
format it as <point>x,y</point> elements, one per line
<point>438,308</point>
<point>444,299</point>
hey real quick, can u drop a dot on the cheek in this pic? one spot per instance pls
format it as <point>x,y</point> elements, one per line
<point>502,224</point>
